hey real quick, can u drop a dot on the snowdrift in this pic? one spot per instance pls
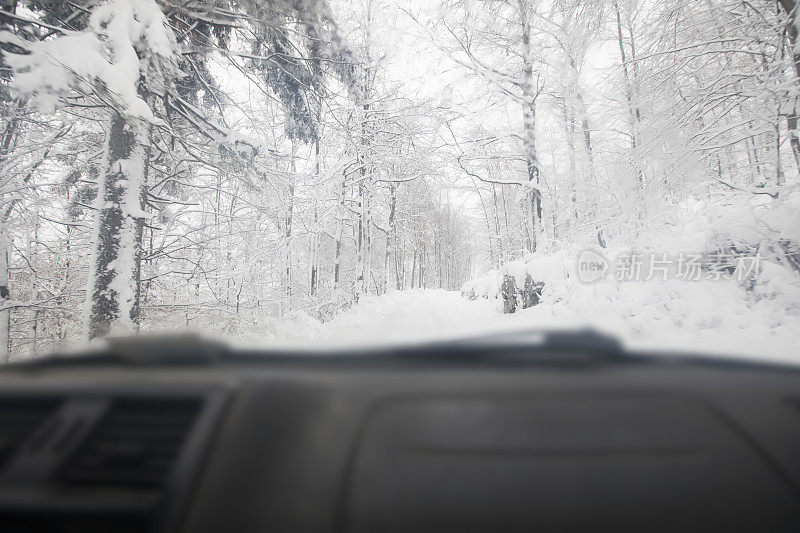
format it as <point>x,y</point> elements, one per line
<point>758,315</point>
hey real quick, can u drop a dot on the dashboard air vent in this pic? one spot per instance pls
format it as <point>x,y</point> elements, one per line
<point>19,418</point>
<point>134,445</point>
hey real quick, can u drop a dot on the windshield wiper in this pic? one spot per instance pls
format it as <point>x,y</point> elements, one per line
<point>522,346</point>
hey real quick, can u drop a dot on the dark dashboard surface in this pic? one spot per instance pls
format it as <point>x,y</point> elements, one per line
<point>159,436</point>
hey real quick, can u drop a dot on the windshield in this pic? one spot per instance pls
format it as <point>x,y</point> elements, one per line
<point>280,173</point>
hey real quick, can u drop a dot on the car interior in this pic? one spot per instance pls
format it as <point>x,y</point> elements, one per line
<point>571,432</point>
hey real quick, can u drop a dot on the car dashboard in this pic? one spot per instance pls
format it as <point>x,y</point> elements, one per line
<point>159,435</point>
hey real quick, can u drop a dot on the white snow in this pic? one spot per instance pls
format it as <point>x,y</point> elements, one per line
<point>104,59</point>
<point>706,318</point>
<point>759,320</point>
<point>398,317</point>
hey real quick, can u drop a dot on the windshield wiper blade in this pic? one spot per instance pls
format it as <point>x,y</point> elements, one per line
<point>182,349</point>
<point>533,345</point>
<point>583,339</point>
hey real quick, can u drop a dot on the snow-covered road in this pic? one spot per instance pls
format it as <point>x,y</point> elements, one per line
<point>398,317</point>
<point>414,316</point>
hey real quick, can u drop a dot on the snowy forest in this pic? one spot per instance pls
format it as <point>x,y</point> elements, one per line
<point>235,166</point>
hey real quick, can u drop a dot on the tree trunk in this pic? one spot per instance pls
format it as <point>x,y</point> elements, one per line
<point>400,265</point>
<point>337,258</point>
<point>114,280</point>
<point>569,132</point>
<point>317,177</point>
<point>390,235</point>
<point>33,282</point>
<point>790,8</point>
<point>8,138</point>
<point>591,174</point>
<point>365,191</point>
<point>529,94</point>
<point>794,140</point>
<point>633,109</point>
<point>793,32</point>
<point>365,239</point>
<point>414,269</point>
<point>289,222</point>
<point>5,296</point>
<point>501,253</point>
<point>422,259</point>
<point>780,178</point>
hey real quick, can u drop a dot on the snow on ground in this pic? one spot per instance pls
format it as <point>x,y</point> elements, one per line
<point>711,318</point>
<point>397,317</point>
<point>755,315</point>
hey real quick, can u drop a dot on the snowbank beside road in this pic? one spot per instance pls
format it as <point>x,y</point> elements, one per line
<point>754,312</point>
